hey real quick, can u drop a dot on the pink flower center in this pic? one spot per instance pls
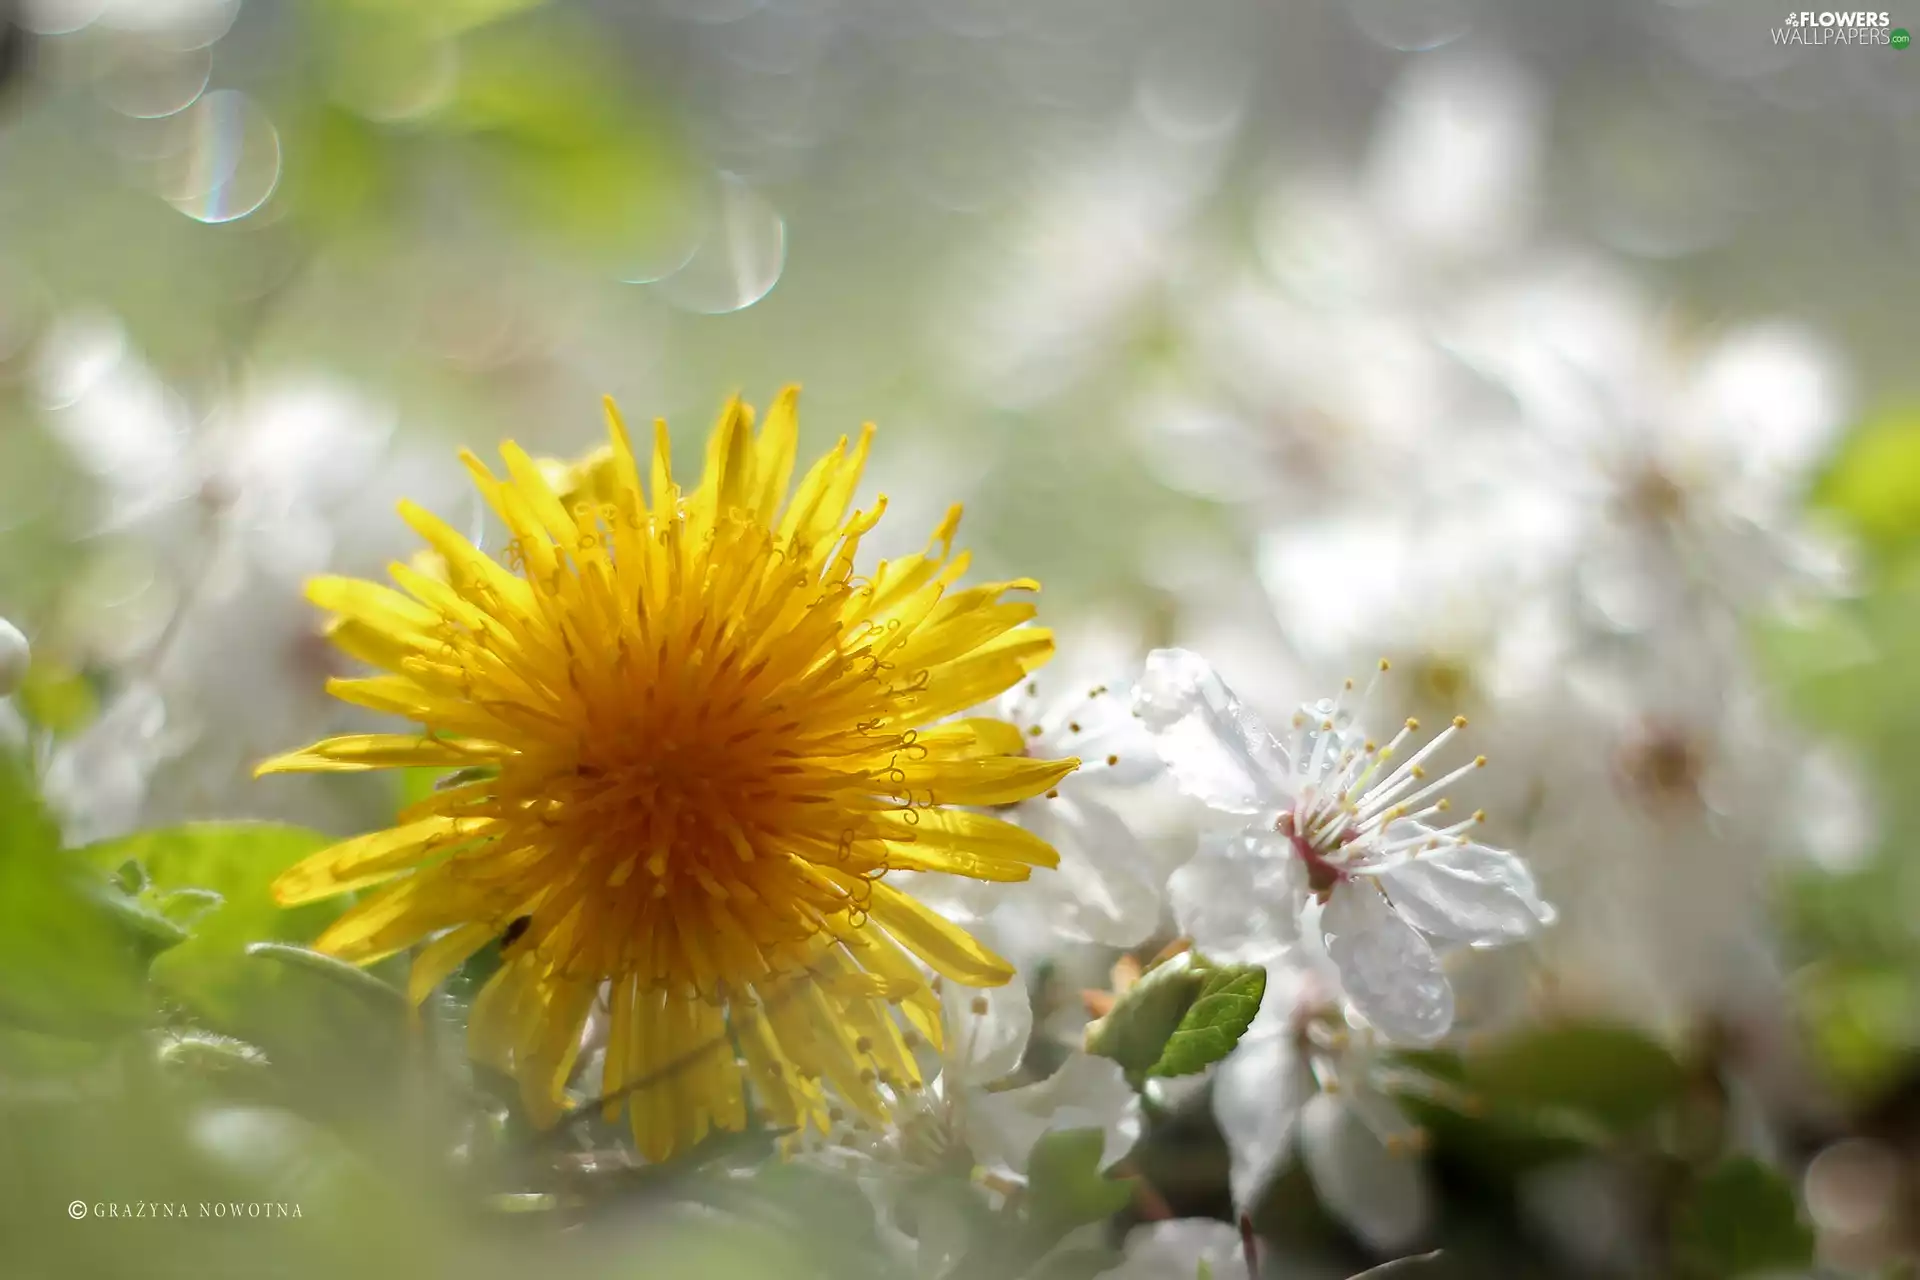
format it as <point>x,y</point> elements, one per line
<point>1322,875</point>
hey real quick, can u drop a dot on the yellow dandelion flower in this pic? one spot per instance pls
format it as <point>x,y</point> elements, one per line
<point>697,743</point>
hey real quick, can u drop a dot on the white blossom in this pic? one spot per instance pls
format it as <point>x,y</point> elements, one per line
<point>971,1117</point>
<point>1337,843</point>
<point>1109,888</point>
<point>1302,1082</point>
<point>1181,1249</point>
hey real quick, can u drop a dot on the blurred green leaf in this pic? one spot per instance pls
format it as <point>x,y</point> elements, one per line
<point>1065,1187</point>
<point>347,977</point>
<point>1613,1075</point>
<point>1228,1000</point>
<point>339,168</point>
<point>1863,1021</point>
<point>72,961</point>
<point>150,931</point>
<point>1497,1143</point>
<point>57,698</point>
<point>238,861</point>
<point>1740,1219</point>
<point>1874,481</point>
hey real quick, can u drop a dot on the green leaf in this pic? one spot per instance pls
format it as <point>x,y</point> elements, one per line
<point>346,976</point>
<point>1065,1188</point>
<point>238,862</point>
<point>1179,1018</point>
<point>1740,1219</point>
<point>73,952</point>
<point>1863,1021</point>
<point>1874,482</point>
<point>57,698</point>
<point>1612,1075</point>
<point>1213,1024</point>
<point>1136,1030</point>
<point>149,930</point>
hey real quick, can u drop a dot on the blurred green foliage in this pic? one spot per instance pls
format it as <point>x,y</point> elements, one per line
<point>1852,670</point>
<point>1739,1219</point>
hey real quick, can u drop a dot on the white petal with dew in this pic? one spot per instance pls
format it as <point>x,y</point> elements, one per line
<point>1380,1195</point>
<point>1216,750</point>
<point>987,1032</point>
<point>1177,1248</point>
<point>1085,1093</point>
<point>1390,975</point>
<point>1238,899</point>
<point>1107,887</point>
<point>1467,893</point>
<point>1257,1095</point>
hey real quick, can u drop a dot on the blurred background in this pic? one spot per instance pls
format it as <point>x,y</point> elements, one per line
<point>1561,354</point>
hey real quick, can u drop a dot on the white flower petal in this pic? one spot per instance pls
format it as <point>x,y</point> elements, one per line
<point>1390,975</point>
<point>1085,1093</point>
<point>1106,888</point>
<point>1176,1248</point>
<point>1238,899</point>
<point>1467,893</point>
<point>1257,1096</point>
<point>1380,1195</point>
<point>987,1032</point>
<point>1216,750</point>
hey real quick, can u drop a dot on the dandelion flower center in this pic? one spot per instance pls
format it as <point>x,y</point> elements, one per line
<point>693,741</point>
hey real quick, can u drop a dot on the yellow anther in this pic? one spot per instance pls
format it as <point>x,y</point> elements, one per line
<point>1413,726</point>
<point>1479,762</point>
<point>1459,722</point>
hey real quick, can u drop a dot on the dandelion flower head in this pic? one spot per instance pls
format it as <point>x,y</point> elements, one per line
<point>692,741</point>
